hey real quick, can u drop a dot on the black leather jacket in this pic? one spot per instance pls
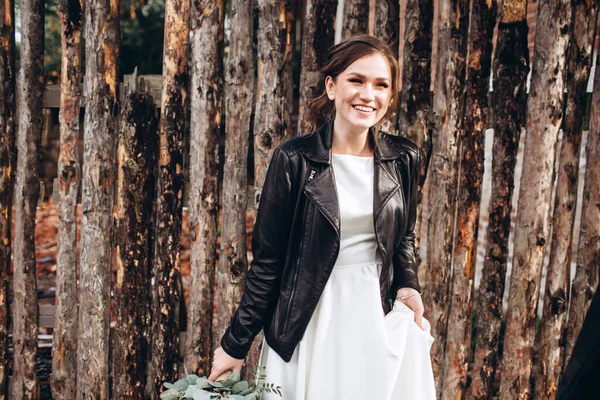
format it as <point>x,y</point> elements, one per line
<point>296,237</point>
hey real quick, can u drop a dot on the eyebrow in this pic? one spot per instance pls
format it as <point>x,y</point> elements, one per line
<point>364,77</point>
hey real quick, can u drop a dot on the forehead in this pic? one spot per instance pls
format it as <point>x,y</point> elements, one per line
<point>373,66</point>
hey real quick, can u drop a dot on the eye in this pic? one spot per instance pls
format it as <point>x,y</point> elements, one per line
<point>383,85</point>
<point>355,80</point>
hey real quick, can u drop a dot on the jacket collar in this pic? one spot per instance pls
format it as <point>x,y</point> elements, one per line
<point>318,145</point>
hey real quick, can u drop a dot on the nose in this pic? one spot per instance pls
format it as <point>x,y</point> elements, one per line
<point>367,93</point>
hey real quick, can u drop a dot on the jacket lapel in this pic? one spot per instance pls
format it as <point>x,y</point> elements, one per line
<point>322,192</point>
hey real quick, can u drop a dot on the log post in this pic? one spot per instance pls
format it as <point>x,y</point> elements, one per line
<point>532,227</point>
<point>318,36</point>
<point>97,196</point>
<point>166,292</point>
<point>511,65</point>
<point>470,179</point>
<point>64,343</point>
<point>7,164</point>
<point>558,278</point>
<point>137,153</point>
<point>356,17</point>
<point>448,113</point>
<point>30,84</point>
<point>205,131</point>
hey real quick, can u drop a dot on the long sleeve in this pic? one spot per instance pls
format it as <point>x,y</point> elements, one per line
<point>404,259</point>
<point>269,244</point>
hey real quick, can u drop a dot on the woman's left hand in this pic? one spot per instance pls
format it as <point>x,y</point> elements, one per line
<point>412,299</point>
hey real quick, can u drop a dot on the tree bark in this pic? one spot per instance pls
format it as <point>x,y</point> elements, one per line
<point>97,196</point>
<point>471,153</point>
<point>207,83</point>
<point>586,279</point>
<point>30,81</point>
<point>511,65</point>
<point>64,343</point>
<point>166,291</point>
<point>7,163</point>
<point>545,112</point>
<point>239,89</point>
<point>550,356</point>
<point>318,35</point>
<point>356,17</point>
<point>387,25</point>
<point>448,112</point>
<point>136,156</point>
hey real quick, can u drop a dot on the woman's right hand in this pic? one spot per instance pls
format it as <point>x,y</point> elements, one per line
<point>223,362</point>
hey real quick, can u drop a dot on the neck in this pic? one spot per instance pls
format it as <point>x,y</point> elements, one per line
<point>350,141</point>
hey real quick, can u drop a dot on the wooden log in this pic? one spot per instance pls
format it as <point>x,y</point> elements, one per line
<point>318,36</point>
<point>511,65</point>
<point>166,293</point>
<point>471,152</point>
<point>532,228</point>
<point>386,27</point>
<point>30,81</point>
<point>7,164</point>
<point>97,197</point>
<point>558,278</point>
<point>414,100</point>
<point>137,153</point>
<point>356,17</point>
<point>64,343</point>
<point>448,112</point>
<point>239,89</point>
<point>586,279</point>
<point>205,131</point>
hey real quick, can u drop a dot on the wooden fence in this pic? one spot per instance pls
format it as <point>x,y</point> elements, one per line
<point>152,144</point>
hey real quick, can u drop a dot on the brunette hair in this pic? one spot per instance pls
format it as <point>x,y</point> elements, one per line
<point>340,57</point>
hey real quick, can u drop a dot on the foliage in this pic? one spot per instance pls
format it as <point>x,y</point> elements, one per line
<point>200,388</point>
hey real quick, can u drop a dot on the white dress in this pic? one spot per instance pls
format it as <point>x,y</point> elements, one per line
<point>350,350</point>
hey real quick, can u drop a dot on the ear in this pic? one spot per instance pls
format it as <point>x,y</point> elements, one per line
<point>330,87</point>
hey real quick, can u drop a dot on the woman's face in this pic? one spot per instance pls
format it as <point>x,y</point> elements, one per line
<point>362,93</point>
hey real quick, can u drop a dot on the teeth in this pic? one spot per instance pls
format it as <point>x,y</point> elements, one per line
<point>361,108</point>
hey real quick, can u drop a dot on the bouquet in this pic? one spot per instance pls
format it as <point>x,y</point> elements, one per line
<point>227,386</point>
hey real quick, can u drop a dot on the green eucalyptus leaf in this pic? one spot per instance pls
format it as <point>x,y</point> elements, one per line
<point>201,381</point>
<point>170,394</point>
<point>240,387</point>
<point>215,384</point>
<point>181,385</point>
<point>169,385</point>
<point>201,395</point>
<point>236,397</point>
<point>250,396</point>
<point>192,378</point>
<point>251,389</point>
<point>189,392</point>
<point>232,380</point>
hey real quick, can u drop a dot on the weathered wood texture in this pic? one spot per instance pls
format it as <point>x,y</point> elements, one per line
<point>30,81</point>
<point>239,90</point>
<point>97,196</point>
<point>470,179</point>
<point>7,164</point>
<point>386,27</point>
<point>203,206</point>
<point>166,290</point>
<point>64,343</point>
<point>356,17</point>
<point>448,112</point>
<point>554,321</point>
<point>532,227</point>
<point>414,100</point>
<point>274,84</point>
<point>586,279</point>
<point>511,65</point>
<point>318,35</point>
<point>137,152</point>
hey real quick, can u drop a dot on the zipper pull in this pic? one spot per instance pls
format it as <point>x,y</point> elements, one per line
<point>312,175</point>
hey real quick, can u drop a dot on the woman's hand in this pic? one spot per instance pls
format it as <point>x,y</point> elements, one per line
<point>223,362</point>
<point>412,299</point>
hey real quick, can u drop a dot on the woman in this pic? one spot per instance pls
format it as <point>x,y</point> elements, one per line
<point>334,252</point>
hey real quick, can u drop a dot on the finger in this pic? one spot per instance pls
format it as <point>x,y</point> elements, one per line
<point>214,374</point>
<point>419,318</point>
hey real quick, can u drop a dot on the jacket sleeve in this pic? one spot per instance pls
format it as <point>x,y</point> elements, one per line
<point>269,243</point>
<point>404,259</point>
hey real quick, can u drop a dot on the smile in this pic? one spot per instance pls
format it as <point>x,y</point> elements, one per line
<point>364,108</point>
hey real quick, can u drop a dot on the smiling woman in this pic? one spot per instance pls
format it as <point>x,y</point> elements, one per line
<point>333,280</point>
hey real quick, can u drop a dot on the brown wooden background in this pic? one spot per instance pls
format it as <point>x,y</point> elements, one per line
<point>154,182</point>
